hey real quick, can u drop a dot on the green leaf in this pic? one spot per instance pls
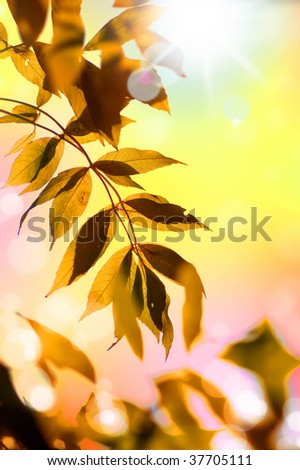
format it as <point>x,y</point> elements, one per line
<point>126,26</point>
<point>157,213</point>
<point>102,291</point>
<point>30,16</point>
<point>21,114</point>
<point>70,203</point>
<point>37,163</point>
<point>170,264</point>
<point>63,61</point>
<point>86,249</point>
<point>22,143</point>
<point>131,161</point>
<point>61,352</point>
<point>264,354</point>
<point>55,187</point>
<point>124,310</point>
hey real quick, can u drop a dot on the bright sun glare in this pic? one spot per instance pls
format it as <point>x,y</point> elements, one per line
<point>208,31</point>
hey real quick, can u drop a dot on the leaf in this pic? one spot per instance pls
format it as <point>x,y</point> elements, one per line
<point>21,143</point>
<point>173,266</point>
<point>5,49</point>
<point>28,66</point>
<point>125,181</point>
<point>54,187</point>
<point>262,353</point>
<point>124,309</point>
<point>43,97</point>
<point>159,51</point>
<point>89,245</point>
<point>77,129</point>
<point>70,203</point>
<point>30,16</point>
<point>126,26</point>
<point>173,398</point>
<point>20,114</point>
<point>130,161</point>
<point>158,214</point>
<point>102,291</point>
<point>61,352</point>
<point>63,60</point>
<point>37,163</point>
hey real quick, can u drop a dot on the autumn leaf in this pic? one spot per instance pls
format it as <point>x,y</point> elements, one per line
<point>29,67</point>
<point>124,310</point>
<point>265,355</point>
<point>159,51</point>
<point>126,26</point>
<point>37,163</point>
<point>20,114</point>
<point>170,264</point>
<point>21,143</point>
<point>55,187</point>
<point>157,213</point>
<point>102,291</point>
<point>30,16</point>
<point>173,398</point>
<point>131,161</point>
<point>63,60</point>
<point>5,49</point>
<point>61,352</point>
<point>70,203</point>
<point>89,245</point>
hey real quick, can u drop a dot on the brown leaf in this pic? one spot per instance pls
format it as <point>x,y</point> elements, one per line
<point>30,16</point>
<point>63,62</point>
<point>126,26</point>
<point>173,266</point>
<point>89,245</point>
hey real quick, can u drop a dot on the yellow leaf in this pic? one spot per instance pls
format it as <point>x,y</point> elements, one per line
<point>37,163</point>
<point>21,143</point>
<point>103,288</point>
<point>70,203</point>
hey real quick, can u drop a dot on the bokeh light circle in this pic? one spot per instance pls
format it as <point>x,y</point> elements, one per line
<point>144,84</point>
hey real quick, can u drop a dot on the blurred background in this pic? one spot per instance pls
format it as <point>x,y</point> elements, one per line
<point>235,120</point>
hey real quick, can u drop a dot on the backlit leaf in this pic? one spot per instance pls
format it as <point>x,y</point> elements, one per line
<point>173,397</point>
<point>5,49</point>
<point>63,61</point>
<point>124,181</point>
<point>159,51</point>
<point>102,291</point>
<point>126,26</point>
<point>61,352</point>
<point>37,163</point>
<point>124,309</point>
<point>30,16</point>
<point>264,354</point>
<point>56,186</point>
<point>28,65</point>
<point>157,213</point>
<point>22,142</point>
<point>70,203</point>
<point>84,251</point>
<point>20,114</point>
<point>134,160</point>
<point>173,266</point>
<point>43,97</point>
